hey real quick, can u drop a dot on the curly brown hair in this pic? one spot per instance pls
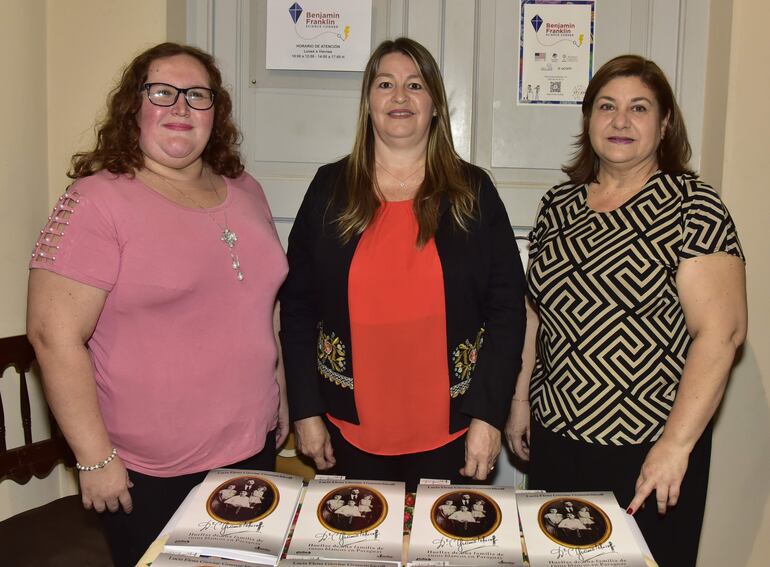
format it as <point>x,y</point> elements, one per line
<point>117,138</point>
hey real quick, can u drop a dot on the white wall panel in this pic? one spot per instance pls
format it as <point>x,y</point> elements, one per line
<point>425,23</point>
<point>459,71</point>
<point>540,137</point>
<point>300,126</point>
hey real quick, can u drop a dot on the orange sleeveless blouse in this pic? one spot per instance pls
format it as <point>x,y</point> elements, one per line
<point>398,339</point>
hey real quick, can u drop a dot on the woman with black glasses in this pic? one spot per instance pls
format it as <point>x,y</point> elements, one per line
<point>151,300</point>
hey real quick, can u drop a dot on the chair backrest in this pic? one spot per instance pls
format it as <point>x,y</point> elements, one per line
<point>31,459</point>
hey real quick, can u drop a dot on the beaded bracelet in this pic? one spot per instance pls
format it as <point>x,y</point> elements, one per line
<point>520,400</point>
<point>99,465</point>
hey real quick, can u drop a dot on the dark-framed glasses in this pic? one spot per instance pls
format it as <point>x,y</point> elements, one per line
<point>163,94</point>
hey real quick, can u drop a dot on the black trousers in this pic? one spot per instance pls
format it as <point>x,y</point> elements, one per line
<point>559,464</point>
<point>441,463</point>
<point>155,500</point>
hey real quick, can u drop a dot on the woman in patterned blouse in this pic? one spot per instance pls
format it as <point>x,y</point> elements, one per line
<point>638,305</point>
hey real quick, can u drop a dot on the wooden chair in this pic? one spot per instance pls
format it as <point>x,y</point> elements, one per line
<point>60,533</point>
<point>288,460</point>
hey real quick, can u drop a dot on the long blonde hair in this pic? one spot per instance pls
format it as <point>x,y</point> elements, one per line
<point>446,174</point>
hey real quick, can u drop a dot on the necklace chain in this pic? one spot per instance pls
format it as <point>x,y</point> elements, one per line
<point>401,182</point>
<point>229,238</point>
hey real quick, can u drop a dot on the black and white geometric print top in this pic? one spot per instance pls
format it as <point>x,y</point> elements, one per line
<point>612,340</point>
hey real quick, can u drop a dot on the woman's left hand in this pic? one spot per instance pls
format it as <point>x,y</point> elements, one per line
<point>662,471</point>
<point>482,447</point>
<point>712,290</point>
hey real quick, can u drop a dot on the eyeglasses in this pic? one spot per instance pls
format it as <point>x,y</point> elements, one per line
<point>163,94</point>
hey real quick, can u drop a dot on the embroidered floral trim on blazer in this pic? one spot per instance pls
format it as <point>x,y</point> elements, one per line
<point>332,358</point>
<point>464,359</point>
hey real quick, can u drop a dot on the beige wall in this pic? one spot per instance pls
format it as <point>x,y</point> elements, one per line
<point>737,525</point>
<point>63,58</point>
<point>23,160</point>
<point>103,36</point>
<point>23,200</point>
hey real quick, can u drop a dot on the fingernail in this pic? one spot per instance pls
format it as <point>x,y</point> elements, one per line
<point>630,511</point>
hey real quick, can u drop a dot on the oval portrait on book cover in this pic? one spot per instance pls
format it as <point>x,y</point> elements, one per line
<point>465,514</point>
<point>242,499</point>
<point>352,509</point>
<point>574,522</point>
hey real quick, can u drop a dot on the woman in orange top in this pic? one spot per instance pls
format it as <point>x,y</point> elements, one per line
<point>403,265</point>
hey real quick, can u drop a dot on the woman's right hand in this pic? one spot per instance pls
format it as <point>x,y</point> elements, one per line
<point>107,488</point>
<point>517,429</point>
<point>61,316</point>
<point>313,441</point>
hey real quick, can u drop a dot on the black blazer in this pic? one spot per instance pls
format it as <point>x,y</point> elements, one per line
<point>484,288</point>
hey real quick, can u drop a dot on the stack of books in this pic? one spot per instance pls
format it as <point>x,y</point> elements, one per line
<point>580,528</point>
<point>238,514</point>
<point>350,521</point>
<point>171,560</point>
<point>237,518</point>
<point>465,525</point>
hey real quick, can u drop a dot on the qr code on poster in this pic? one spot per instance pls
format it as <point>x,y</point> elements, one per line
<point>555,87</point>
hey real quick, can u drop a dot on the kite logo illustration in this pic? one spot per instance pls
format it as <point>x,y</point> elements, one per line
<point>537,21</point>
<point>556,30</point>
<point>326,22</point>
<point>295,11</point>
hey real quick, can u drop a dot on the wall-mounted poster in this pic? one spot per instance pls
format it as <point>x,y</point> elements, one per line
<point>318,35</point>
<point>556,51</point>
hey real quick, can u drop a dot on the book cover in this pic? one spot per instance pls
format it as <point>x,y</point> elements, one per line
<point>350,520</point>
<point>168,560</point>
<point>582,528</point>
<point>238,514</point>
<point>331,563</point>
<point>465,525</point>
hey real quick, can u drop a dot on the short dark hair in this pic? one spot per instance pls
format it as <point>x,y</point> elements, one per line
<point>674,151</point>
<point>117,137</point>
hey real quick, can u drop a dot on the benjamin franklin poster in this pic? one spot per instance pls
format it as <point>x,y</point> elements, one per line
<point>320,35</point>
<point>555,51</point>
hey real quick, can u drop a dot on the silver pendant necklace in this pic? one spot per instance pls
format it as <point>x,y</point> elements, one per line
<point>401,182</point>
<point>228,236</point>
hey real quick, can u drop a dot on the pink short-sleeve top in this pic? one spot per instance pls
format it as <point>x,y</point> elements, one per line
<point>184,352</point>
